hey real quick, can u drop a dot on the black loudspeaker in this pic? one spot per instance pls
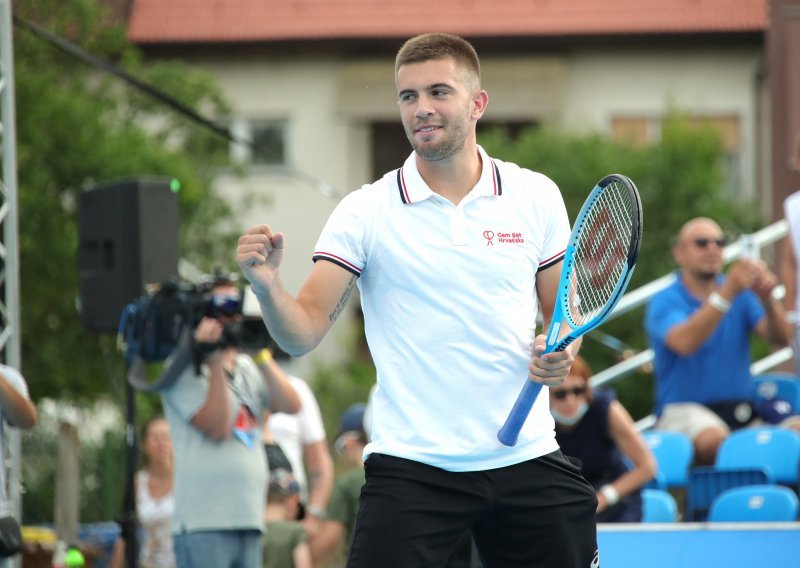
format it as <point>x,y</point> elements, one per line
<point>127,238</point>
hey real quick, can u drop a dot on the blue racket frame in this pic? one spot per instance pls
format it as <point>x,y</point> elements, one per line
<point>509,432</point>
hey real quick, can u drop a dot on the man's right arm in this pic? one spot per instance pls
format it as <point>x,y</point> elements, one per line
<point>296,324</point>
<point>687,337</point>
<point>213,418</point>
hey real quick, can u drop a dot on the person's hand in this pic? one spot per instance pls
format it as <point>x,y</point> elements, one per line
<point>259,254</point>
<point>550,369</point>
<point>764,283</point>
<point>209,332</point>
<point>311,524</point>
<point>741,275</point>
<point>602,504</point>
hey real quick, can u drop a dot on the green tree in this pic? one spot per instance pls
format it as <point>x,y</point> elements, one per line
<point>77,127</point>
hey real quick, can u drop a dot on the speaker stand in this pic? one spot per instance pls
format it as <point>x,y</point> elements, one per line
<point>128,520</point>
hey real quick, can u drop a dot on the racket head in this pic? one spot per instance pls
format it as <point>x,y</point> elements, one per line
<point>601,254</point>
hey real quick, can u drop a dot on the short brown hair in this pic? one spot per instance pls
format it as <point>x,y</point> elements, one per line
<point>437,46</point>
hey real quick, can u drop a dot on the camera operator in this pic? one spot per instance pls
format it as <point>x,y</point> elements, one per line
<point>215,416</point>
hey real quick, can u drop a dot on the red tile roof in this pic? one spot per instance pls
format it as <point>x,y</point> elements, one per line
<point>198,21</point>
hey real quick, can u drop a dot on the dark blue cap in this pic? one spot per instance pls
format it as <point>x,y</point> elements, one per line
<point>352,419</point>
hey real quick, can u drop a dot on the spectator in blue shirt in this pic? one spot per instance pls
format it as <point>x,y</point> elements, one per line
<point>700,328</point>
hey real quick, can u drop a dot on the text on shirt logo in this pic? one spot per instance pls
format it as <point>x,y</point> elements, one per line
<point>503,237</point>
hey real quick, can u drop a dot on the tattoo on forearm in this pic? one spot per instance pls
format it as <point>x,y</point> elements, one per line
<point>343,300</point>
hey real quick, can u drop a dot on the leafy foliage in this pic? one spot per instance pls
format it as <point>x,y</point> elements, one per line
<point>78,127</point>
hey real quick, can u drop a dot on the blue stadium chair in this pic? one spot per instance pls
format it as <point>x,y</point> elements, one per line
<point>755,503</point>
<point>658,507</point>
<point>674,454</point>
<point>782,386</point>
<point>658,482</point>
<point>777,450</point>
<point>706,483</point>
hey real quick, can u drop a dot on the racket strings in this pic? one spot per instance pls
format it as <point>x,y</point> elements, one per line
<point>601,253</point>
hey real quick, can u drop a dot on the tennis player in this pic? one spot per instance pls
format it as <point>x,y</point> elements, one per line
<point>453,254</point>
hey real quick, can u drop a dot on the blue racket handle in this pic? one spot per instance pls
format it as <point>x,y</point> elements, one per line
<point>509,433</point>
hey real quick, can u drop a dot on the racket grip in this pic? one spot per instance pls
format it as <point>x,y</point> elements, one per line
<point>509,432</point>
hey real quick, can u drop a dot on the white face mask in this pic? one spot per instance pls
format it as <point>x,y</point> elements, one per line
<point>570,420</point>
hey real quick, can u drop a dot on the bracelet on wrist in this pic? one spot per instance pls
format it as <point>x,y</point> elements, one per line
<point>777,294</point>
<point>719,303</point>
<point>610,494</point>
<point>263,357</point>
<point>316,511</point>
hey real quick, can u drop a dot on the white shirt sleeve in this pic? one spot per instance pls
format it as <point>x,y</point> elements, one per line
<point>16,380</point>
<point>344,237</point>
<point>312,429</point>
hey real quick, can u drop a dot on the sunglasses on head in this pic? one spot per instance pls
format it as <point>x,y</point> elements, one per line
<point>562,393</point>
<point>703,243</point>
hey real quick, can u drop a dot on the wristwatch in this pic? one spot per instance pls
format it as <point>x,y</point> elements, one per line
<point>318,512</point>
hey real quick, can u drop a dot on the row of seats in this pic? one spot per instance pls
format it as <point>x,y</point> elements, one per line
<point>747,503</point>
<point>775,450</point>
<point>675,453</point>
<point>752,457</point>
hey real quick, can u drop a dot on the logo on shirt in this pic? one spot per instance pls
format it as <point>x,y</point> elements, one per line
<point>503,237</point>
<point>246,428</point>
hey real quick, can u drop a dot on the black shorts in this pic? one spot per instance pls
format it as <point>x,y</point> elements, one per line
<point>539,513</point>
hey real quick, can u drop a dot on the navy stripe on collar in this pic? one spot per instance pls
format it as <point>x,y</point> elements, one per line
<point>498,183</point>
<point>401,187</point>
<point>406,198</point>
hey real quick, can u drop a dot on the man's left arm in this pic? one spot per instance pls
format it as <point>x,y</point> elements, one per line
<point>774,326</point>
<point>320,481</point>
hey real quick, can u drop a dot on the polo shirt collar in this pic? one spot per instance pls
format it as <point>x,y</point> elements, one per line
<point>412,187</point>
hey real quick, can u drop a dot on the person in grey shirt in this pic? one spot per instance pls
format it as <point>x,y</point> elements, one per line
<point>215,417</point>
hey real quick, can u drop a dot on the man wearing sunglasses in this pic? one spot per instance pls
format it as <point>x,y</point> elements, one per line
<point>700,328</point>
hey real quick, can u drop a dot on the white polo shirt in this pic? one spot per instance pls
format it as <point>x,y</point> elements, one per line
<point>449,301</point>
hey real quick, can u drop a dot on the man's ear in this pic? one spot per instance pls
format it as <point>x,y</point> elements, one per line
<point>479,104</point>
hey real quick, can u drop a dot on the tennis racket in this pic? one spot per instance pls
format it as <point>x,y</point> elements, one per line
<point>598,264</point>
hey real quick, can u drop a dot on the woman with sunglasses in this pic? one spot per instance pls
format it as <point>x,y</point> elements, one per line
<point>595,428</point>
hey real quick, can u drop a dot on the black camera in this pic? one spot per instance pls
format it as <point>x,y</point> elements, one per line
<point>151,327</point>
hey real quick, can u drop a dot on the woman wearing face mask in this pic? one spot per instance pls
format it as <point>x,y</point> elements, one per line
<point>596,428</point>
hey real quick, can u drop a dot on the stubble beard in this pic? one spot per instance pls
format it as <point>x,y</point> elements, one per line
<point>705,275</point>
<point>450,145</point>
